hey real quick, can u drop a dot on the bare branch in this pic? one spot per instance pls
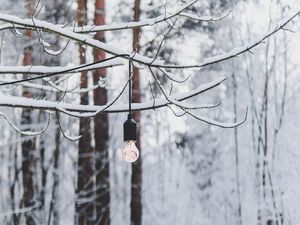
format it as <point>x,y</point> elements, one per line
<point>172,77</point>
<point>205,19</point>
<point>219,124</point>
<point>45,45</point>
<point>75,138</point>
<point>26,133</point>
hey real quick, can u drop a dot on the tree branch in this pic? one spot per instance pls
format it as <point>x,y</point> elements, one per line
<point>48,27</point>
<point>42,70</point>
<point>21,102</point>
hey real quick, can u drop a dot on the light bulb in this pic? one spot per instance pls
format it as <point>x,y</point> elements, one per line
<point>130,152</point>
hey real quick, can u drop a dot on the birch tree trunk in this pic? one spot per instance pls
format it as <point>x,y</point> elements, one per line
<point>101,127</point>
<point>136,177</point>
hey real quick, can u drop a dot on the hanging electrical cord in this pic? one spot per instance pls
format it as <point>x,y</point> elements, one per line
<point>130,151</point>
<point>129,86</point>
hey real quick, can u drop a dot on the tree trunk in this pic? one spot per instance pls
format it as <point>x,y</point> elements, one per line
<point>136,177</point>
<point>85,182</point>
<point>53,204</point>
<point>236,148</point>
<point>101,128</point>
<point>13,192</point>
<point>28,145</point>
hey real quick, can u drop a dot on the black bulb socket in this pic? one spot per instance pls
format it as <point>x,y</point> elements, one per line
<point>129,129</point>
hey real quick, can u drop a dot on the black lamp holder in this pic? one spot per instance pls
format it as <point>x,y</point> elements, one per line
<point>129,129</point>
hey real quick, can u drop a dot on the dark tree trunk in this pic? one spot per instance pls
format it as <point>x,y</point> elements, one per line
<point>101,128</point>
<point>15,171</point>
<point>136,177</point>
<point>85,182</point>
<point>28,144</point>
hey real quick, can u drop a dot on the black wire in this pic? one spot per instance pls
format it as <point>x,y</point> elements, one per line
<point>60,72</point>
<point>129,87</point>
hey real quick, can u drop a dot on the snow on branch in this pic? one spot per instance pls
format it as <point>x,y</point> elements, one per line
<point>150,21</point>
<point>52,87</point>
<point>185,108</point>
<point>92,110</point>
<point>48,27</point>
<point>10,101</point>
<point>47,75</point>
<point>83,38</point>
<point>134,24</point>
<point>41,70</point>
<point>237,51</point>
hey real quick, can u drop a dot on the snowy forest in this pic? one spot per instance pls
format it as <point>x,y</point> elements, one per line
<point>149,112</point>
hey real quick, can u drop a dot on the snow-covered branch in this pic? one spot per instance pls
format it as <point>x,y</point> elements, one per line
<point>48,27</point>
<point>22,102</point>
<point>41,70</point>
<point>134,24</point>
<point>83,38</point>
<point>55,88</point>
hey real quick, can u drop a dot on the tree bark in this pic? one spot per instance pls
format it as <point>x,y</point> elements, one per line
<point>101,128</point>
<point>136,177</point>
<point>53,208</point>
<point>15,171</point>
<point>85,182</point>
<point>28,144</point>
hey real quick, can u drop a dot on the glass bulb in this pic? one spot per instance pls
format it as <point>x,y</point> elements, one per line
<point>130,152</point>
